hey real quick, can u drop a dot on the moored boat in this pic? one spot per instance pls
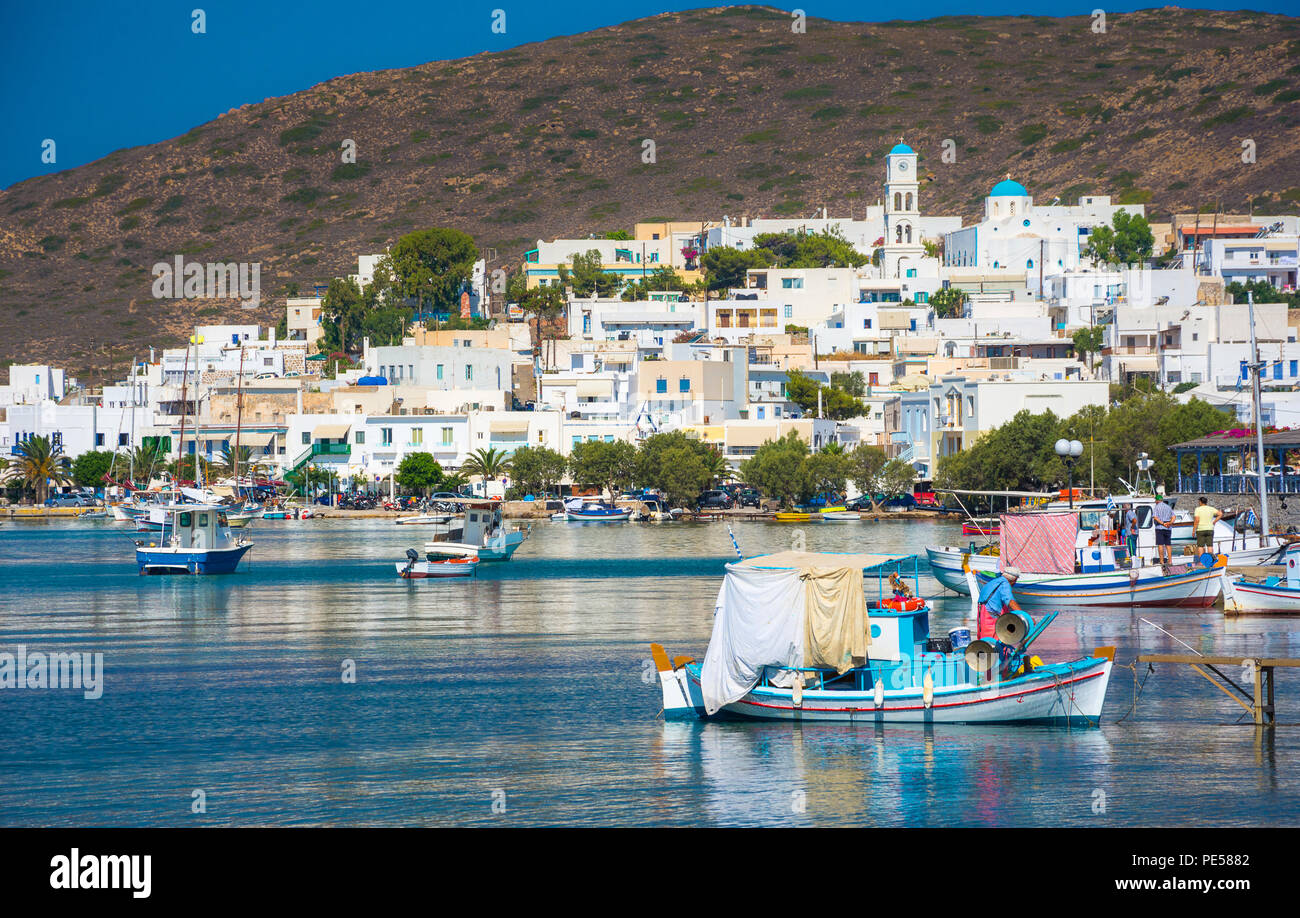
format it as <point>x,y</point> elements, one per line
<point>594,512</point>
<point>441,560</point>
<point>1272,595</point>
<point>1196,586</point>
<point>796,638</point>
<point>195,539</point>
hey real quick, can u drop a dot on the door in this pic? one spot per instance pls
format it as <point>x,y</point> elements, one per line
<point>201,541</point>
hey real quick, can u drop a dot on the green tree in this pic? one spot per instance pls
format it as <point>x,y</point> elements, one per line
<point>865,463</point>
<point>777,469</point>
<point>824,471</point>
<point>419,472</point>
<point>89,469</point>
<point>537,470</point>
<point>432,267</point>
<point>1088,341</point>
<point>1128,240</point>
<point>589,277</point>
<point>546,304</point>
<point>855,384</point>
<point>836,403</point>
<point>896,478</point>
<point>598,464</point>
<point>226,464</point>
<point>827,249</point>
<point>949,302</point>
<point>144,461</point>
<point>725,267</point>
<point>344,307</point>
<point>684,475</point>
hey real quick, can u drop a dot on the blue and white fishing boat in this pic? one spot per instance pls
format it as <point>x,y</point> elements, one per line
<point>1195,586</point>
<point>796,638</point>
<point>595,512</point>
<point>196,540</point>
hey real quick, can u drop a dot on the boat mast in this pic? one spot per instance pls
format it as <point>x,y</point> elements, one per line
<point>180,445</point>
<point>239,412</point>
<point>1259,422</point>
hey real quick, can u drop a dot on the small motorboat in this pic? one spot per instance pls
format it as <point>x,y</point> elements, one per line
<point>796,637</point>
<point>441,560</point>
<point>598,513</point>
<point>840,515</point>
<point>195,539</point>
<point>797,516</point>
<point>427,519</point>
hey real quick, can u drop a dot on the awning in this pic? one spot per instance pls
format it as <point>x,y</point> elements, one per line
<point>803,560</point>
<point>504,424</point>
<point>751,436</point>
<point>330,431</point>
<point>595,388</point>
<point>255,439</point>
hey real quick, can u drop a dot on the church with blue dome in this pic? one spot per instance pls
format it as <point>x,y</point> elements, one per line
<point>1017,237</point>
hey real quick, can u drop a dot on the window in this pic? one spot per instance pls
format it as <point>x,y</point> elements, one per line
<point>99,439</point>
<point>469,372</point>
<point>792,283</point>
<point>684,385</point>
<point>789,312</point>
<point>440,371</point>
<point>446,436</point>
<point>417,436</point>
<point>923,297</point>
<point>1293,367</point>
<point>306,438</point>
<point>1243,369</point>
<point>125,439</point>
<point>911,272</point>
<point>1277,370</point>
<point>609,438</point>
<point>385,436</point>
<point>866,323</point>
<point>361,437</point>
<point>661,385</point>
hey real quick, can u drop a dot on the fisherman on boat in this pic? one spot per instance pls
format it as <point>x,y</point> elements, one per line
<point>995,599</point>
<point>1164,517</point>
<point>1130,527</point>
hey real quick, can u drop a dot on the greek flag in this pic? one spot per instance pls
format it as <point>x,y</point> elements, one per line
<point>1110,502</point>
<point>1251,520</point>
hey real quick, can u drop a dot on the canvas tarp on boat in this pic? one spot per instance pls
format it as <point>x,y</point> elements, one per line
<point>785,618</point>
<point>1039,543</point>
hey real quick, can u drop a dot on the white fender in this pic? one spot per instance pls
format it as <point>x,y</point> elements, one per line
<point>796,695</point>
<point>880,693</point>
<point>927,689</point>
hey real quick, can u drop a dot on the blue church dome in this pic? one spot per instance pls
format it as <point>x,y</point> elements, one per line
<point>901,148</point>
<point>1008,189</point>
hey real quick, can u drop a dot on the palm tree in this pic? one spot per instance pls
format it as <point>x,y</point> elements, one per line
<point>37,463</point>
<point>226,464</point>
<point>489,464</point>
<point>144,461</point>
<point>716,464</point>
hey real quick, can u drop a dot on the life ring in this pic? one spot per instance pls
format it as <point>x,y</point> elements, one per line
<point>902,605</point>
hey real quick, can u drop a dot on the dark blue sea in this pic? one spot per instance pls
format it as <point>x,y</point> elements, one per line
<point>526,696</point>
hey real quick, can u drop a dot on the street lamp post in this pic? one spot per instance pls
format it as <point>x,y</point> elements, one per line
<point>1069,450</point>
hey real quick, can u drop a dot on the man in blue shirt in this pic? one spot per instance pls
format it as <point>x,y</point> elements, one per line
<point>995,598</point>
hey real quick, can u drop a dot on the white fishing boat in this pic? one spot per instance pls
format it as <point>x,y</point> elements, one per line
<point>195,539</point>
<point>1195,586</point>
<point>441,560</point>
<point>1093,535</point>
<point>1272,595</point>
<point>796,638</point>
<point>426,519</point>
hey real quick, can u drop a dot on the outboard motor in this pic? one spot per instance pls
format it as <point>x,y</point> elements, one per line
<point>411,557</point>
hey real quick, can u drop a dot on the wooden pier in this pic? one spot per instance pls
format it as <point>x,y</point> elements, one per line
<point>1257,670</point>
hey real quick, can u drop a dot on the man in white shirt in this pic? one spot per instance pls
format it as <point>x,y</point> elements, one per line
<point>1164,519</point>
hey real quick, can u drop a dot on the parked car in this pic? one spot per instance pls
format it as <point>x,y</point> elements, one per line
<point>748,497</point>
<point>713,500</point>
<point>70,500</point>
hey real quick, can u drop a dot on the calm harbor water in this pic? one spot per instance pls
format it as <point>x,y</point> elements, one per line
<point>526,697</point>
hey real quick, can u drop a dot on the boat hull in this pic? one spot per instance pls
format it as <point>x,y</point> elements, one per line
<point>618,516</point>
<point>1060,693</point>
<point>210,561</point>
<point>1196,589</point>
<point>436,570</point>
<point>1251,598</point>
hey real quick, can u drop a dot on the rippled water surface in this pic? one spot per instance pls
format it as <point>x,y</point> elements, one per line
<point>521,697</point>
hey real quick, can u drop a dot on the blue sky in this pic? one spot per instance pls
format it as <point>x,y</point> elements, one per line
<point>99,76</point>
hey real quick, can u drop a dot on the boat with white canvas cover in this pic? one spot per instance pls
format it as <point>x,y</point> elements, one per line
<point>796,638</point>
